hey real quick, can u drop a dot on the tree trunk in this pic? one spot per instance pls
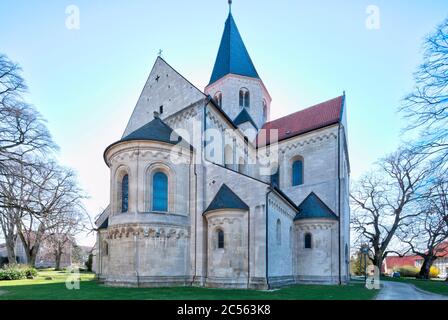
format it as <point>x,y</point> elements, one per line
<point>378,260</point>
<point>57,259</point>
<point>426,267</point>
<point>10,247</point>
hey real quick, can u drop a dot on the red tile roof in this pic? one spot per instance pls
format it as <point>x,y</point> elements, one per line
<point>393,261</point>
<point>442,249</point>
<point>312,118</point>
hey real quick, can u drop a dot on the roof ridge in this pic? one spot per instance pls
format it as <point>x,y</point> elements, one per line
<point>307,108</point>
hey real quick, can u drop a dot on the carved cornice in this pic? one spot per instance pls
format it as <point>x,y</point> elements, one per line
<point>314,226</point>
<point>289,145</point>
<point>164,232</point>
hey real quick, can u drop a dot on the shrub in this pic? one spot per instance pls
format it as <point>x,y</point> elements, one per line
<point>408,271</point>
<point>11,273</point>
<point>30,272</point>
<point>17,272</point>
<point>434,272</point>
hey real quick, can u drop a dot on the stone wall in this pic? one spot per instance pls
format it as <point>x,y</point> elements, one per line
<point>227,266</point>
<point>230,86</point>
<point>318,264</point>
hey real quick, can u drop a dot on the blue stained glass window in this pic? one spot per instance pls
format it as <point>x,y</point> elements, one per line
<point>297,173</point>
<point>125,193</point>
<point>275,179</point>
<point>308,240</point>
<point>160,192</point>
<point>220,239</point>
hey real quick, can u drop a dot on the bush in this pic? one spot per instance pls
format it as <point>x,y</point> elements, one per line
<point>434,272</point>
<point>408,271</point>
<point>11,273</point>
<point>17,272</point>
<point>30,272</point>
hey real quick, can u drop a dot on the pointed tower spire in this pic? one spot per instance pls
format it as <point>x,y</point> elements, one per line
<point>232,55</point>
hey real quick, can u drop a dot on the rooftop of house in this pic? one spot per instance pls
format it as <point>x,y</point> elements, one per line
<point>303,121</point>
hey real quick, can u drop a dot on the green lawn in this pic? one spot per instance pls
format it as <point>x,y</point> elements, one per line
<point>41,289</point>
<point>435,286</point>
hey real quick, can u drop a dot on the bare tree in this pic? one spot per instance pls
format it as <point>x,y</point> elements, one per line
<point>15,200</point>
<point>22,129</point>
<point>428,230</point>
<point>63,229</point>
<point>386,199</point>
<point>53,191</point>
<point>427,106</point>
<point>23,133</point>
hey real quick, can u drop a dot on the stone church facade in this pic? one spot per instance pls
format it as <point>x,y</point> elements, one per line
<point>266,207</point>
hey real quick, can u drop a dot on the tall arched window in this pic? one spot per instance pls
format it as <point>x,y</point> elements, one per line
<point>275,178</point>
<point>297,173</point>
<point>279,232</point>
<point>220,239</point>
<point>244,98</point>
<point>125,194</point>
<point>218,99</point>
<point>228,156</point>
<point>160,192</point>
<point>290,237</point>
<point>105,248</point>
<point>265,111</point>
<point>308,241</point>
<point>241,165</point>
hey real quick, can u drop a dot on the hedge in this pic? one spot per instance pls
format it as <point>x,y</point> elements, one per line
<point>17,272</point>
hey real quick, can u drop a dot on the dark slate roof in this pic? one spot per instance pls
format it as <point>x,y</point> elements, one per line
<point>105,224</point>
<point>314,208</point>
<point>226,199</point>
<point>243,117</point>
<point>232,55</point>
<point>156,130</point>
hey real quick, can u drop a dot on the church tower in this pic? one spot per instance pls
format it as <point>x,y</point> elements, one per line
<point>235,84</point>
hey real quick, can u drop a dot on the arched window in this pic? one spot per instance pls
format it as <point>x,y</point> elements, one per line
<point>290,237</point>
<point>105,248</point>
<point>160,192</point>
<point>275,178</point>
<point>244,98</point>
<point>228,156</point>
<point>125,194</point>
<point>297,173</point>
<point>265,111</point>
<point>220,239</point>
<point>241,165</point>
<point>279,232</point>
<point>218,99</point>
<point>308,241</point>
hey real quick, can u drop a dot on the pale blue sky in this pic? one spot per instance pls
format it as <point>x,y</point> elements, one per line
<point>86,82</point>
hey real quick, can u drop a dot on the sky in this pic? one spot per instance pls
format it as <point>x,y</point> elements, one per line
<point>86,81</point>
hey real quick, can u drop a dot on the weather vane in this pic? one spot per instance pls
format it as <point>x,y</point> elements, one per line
<point>160,52</point>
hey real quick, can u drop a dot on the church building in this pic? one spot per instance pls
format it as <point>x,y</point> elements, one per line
<point>265,207</point>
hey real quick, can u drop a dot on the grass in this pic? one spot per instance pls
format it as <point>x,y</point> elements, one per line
<point>434,286</point>
<point>55,289</point>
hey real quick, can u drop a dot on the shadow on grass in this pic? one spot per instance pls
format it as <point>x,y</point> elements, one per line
<point>92,290</point>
